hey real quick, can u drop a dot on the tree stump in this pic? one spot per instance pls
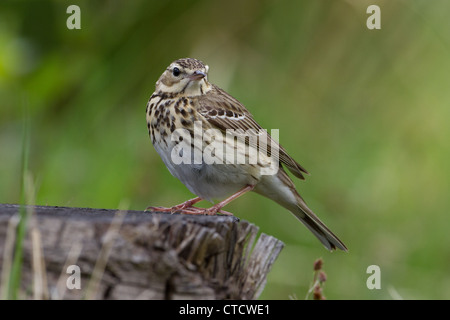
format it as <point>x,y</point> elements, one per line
<point>137,255</point>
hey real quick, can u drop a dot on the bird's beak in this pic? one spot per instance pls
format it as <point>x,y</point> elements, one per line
<point>197,75</point>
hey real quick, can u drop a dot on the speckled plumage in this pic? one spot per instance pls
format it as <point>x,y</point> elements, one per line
<point>185,106</point>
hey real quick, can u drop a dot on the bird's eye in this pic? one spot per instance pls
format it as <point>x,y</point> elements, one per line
<point>176,72</point>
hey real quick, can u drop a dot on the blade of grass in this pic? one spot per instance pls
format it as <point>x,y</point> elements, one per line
<point>40,290</point>
<point>15,275</point>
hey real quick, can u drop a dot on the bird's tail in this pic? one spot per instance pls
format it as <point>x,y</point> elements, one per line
<point>317,227</point>
<point>281,189</point>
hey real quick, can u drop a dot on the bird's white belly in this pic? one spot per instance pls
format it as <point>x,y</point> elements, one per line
<point>208,181</point>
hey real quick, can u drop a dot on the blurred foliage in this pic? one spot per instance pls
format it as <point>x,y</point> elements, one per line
<point>365,111</point>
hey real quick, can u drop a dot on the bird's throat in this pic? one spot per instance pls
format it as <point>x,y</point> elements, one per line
<point>196,88</point>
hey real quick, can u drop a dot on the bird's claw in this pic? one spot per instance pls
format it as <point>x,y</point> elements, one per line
<point>182,209</point>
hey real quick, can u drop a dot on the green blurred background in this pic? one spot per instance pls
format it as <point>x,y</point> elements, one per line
<point>365,111</point>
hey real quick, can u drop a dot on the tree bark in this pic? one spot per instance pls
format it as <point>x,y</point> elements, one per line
<point>136,255</point>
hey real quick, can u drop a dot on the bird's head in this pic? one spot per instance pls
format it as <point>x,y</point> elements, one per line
<point>186,76</point>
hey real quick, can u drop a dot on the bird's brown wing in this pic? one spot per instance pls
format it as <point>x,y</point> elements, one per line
<point>225,112</point>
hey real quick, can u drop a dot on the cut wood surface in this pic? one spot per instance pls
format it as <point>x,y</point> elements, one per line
<point>137,255</point>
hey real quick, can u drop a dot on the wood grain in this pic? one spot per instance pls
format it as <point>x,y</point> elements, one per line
<point>142,255</point>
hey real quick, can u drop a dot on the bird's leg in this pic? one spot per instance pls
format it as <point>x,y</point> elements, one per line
<point>188,208</point>
<point>181,207</point>
<point>218,207</point>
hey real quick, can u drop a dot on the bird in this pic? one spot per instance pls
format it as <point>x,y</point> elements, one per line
<point>200,131</point>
